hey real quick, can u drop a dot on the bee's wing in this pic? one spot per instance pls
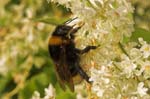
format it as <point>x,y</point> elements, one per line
<point>63,73</point>
<point>58,71</point>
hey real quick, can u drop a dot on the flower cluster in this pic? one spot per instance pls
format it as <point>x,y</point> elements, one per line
<point>23,42</point>
<point>126,76</point>
<point>105,20</point>
<point>118,70</point>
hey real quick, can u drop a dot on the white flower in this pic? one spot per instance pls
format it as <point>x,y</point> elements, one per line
<point>146,69</point>
<point>49,92</point>
<point>30,37</point>
<point>141,90</point>
<point>100,92</point>
<point>100,80</point>
<point>141,41</point>
<point>127,66</point>
<point>3,67</point>
<point>146,50</point>
<point>2,61</point>
<point>36,95</point>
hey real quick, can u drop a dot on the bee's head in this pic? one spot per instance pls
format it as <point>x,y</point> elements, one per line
<point>68,29</point>
<point>65,31</point>
<point>62,30</point>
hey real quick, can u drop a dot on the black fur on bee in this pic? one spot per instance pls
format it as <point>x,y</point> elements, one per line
<point>66,56</point>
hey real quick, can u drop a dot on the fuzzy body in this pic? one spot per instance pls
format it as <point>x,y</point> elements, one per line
<point>65,56</point>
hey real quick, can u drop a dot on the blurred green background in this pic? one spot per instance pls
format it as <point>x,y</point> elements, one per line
<point>25,26</point>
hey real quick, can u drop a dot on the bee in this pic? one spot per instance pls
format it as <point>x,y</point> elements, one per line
<point>65,56</point>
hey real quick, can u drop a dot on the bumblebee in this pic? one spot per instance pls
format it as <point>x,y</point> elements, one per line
<point>65,56</point>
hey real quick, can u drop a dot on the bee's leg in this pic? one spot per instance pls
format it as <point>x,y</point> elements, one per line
<point>82,73</point>
<point>85,50</point>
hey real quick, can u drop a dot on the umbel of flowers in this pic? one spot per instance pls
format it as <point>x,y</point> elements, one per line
<point>118,70</point>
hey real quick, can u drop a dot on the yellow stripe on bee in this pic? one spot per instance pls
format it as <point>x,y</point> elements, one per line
<point>56,40</point>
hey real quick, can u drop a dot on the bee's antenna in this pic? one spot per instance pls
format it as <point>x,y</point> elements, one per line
<point>67,22</point>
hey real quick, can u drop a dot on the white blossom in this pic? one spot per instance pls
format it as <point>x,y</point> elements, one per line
<point>128,67</point>
<point>36,95</point>
<point>49,93</point>
<point>145,49</point>
<point>141,90</point>
<point>146,69</point>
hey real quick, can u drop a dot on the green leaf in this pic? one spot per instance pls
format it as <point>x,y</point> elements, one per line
<point>61,94</point>
<point>6,84</point>
<point>139,32</point>
<point>37,83</point>
<point>125,39</point>
<point>52,20</point>
<point>3,83</point>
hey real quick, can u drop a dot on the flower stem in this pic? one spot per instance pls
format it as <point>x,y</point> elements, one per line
<point>123,50</point>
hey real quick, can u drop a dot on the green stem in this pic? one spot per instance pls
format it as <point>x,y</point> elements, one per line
<point>123,50</point>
